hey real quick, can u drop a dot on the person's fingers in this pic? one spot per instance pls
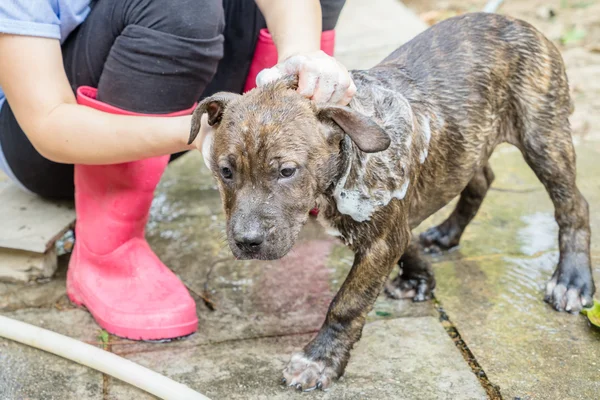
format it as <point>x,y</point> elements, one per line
<point>307,82</point>
<point>342,86</point>
<point>350,92</point>
<point>205,130</point>
<point>268,75</point>
<point>320,77</point>
<point>326,85</point>
<point>293,65</point>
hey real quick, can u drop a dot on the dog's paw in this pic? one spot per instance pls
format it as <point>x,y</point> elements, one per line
<point>304,374</point>
<point>415,289</point>
<point>570,296</point>
<point>572,286</point>
<point>440,238</point>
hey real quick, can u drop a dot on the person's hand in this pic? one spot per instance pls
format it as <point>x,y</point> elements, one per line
<point>320,77</point>
<point>203,141</point>
<point>205,132</point>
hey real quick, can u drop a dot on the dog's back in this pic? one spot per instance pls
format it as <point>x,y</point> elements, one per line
<point>481,57</point>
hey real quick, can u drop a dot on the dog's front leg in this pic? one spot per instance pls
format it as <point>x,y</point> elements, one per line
<point>325,357</point>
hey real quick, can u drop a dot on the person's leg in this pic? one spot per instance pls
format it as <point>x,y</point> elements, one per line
<point>26,166</point>
<point>147,56</point>
<point>134,56</point>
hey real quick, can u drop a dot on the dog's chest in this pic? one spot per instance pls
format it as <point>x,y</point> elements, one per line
<point>348,235</point>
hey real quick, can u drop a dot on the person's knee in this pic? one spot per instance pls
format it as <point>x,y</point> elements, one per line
<point>191,19</point>
<point>331,10</point>
<point>165,56</point>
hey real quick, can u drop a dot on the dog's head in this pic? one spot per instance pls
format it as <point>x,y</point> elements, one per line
<point>273,152</point>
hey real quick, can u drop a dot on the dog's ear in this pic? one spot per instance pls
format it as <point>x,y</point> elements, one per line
<point>214,107</point>
<point>364,132</point>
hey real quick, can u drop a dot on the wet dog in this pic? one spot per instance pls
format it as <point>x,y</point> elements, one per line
<point>419,132</point>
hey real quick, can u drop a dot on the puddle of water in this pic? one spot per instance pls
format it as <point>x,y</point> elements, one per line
<point>525,278</point>
<point>539,234</point>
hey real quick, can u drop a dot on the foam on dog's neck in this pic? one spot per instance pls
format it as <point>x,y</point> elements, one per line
<point>351,201</point>
<point>358,201</point>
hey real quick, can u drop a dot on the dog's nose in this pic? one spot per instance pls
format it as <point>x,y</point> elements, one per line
<point>249,241</point>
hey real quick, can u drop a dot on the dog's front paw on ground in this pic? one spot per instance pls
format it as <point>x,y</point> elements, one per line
<point>306,375</point>
<point>568,295</point>
<point>439,238</point>
<point>415,289</point>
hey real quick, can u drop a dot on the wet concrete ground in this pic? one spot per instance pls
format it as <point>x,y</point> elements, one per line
<point>490,287</point>
<point>263,311</point>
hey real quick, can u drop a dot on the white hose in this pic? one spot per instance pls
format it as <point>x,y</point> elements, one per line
<point>98,359</point>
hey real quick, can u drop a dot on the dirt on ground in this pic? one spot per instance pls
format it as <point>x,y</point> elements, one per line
<point>573,25</point>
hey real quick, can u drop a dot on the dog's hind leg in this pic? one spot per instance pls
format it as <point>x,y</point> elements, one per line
<point>415,279</point>
<point>448,233</point>
<point>548,150</point>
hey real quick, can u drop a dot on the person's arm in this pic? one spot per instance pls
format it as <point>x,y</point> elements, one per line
<point>33,79</point>
<point>295,26</point>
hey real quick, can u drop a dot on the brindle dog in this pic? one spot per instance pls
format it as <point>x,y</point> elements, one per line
<point>419,132</point>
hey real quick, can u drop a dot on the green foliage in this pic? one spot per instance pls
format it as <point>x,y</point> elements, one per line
<point>593,313</point>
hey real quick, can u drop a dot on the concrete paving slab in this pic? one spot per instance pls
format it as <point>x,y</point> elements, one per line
<point>491,287</point>
<point>28,373</point>
<point>26,266</point>
<point>31,223</point>
<point>529,350</point>
<point>37,295</point>
<point>407,358</point>
<point>368,31</point>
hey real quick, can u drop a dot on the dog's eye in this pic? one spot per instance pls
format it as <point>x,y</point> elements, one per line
<point>287,172</point>
<point>226,173</point>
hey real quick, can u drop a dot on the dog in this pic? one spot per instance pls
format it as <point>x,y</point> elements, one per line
<point>418,133</point>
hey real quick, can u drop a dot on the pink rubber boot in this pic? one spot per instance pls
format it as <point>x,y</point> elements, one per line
<point>113,272</point>
<point>265,56</point>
